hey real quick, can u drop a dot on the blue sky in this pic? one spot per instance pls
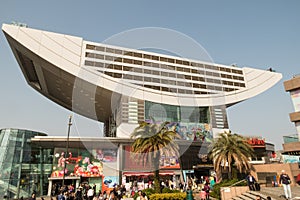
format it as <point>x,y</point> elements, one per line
<point>258,34</point>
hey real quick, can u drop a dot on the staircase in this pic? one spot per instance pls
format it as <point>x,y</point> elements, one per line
<point>276,193</point>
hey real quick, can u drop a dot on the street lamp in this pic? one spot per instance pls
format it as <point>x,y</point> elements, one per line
<point>67,149</point>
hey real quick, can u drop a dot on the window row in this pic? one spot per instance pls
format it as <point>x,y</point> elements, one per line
<point>167,74</point>
<point>154,57</point>
<point>172,82</point>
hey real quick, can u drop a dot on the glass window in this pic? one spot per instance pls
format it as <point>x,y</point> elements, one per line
<point>117,75</point>
<point>118,59</point>
<point>147,64</point>
<point>138,78</point>
<point>147,79</point>
<point>118,67</point>
<point>138,62</point>
<point>139,55</point>
<point>155,58</point>
<point>110,58</point>
<point>89,63</point>
<point>99,56</point>
<point>98,48</point>
<point>156,80</point>
<point>88,46</point>
<point>156,65</point>
<point>172,75</point>
<point>147,71</point>
<point>165,74</point>
<point>118,51</point>
<point>188,77</point>
<point>165,89</point>
<point>98,64</point>
<point>147,56</point>
<point>128,53</point>
<point>179,61</point>
<point>110,50</point>
<point>126,68</point>
<point>163,59</point>
<point>170,60</point>
<point>138,70</point>
<point>154,72</point>
<point>126,60</point>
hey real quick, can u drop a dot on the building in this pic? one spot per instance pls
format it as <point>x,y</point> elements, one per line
<point>122,87</point>
<point>24,167</point>
<point>289,158</point>
<point>36,162</point>
<point>293,87</point>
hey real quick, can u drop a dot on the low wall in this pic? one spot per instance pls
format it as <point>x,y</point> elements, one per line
<point>292,169</point>
<point>230,192</point>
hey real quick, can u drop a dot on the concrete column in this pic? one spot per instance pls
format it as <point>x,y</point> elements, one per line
<point>49,188</point>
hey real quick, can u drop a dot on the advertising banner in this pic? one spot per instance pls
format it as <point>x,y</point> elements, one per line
<point>80,162</point>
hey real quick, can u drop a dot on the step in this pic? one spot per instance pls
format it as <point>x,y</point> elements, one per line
<point>237,198</point>
<point>263,196</point>
<point>250,196</point>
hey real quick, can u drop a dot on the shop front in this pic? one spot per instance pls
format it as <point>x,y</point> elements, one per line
<point>95,167</point>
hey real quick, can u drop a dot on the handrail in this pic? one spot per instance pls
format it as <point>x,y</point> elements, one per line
<point>233,184</point>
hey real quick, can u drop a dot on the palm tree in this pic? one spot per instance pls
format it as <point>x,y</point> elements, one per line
<point>153,140</point>
<point>231,149</point>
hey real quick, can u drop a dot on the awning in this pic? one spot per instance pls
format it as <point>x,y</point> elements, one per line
<point>162,173</point>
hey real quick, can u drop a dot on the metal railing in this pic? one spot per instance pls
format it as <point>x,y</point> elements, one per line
<point>233,184</point>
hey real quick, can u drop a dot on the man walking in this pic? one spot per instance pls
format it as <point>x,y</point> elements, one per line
<point>286,181</point>
<point>251,182</point>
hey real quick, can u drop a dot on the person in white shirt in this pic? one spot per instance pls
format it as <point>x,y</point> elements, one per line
<point>90,193</point>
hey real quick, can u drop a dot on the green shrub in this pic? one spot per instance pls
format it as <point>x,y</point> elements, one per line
<point>168,196</point>
<point>168,190</point>
<point>216,193</point>
<point>149,191</point>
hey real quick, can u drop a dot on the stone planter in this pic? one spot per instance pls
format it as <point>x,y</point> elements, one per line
<point>230,192</point>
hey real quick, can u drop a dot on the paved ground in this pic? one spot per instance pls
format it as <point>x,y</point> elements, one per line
<point>277,192</point>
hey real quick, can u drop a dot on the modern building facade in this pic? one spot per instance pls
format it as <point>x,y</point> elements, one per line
<point>293,87</point>
<point>121,87</point>
<point>24,167</point>
<point>290,157</point>
<point>32,161</point>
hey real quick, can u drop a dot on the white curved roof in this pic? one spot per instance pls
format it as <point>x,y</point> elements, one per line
<point>69,70</point>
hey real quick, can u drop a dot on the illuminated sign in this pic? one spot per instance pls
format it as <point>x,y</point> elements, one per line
<point>255,142</point>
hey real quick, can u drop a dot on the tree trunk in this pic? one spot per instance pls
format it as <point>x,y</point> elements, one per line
<point>229,173</point>
<point>156,174</point>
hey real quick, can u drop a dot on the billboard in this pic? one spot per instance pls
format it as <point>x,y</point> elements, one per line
<point>166,162</point>
<point>81,162</point>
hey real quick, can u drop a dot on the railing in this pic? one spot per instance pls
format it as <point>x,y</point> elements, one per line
<point>234,184</point>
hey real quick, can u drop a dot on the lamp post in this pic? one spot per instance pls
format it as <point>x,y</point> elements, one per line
<point>67,149</point>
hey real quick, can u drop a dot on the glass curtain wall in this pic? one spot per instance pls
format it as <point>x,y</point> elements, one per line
<point>24,168</point>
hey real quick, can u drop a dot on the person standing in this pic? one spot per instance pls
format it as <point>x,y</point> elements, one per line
<point>90,193</point>
<point>251,182</point>
<point>33,196</point>
<point>286,181</point>
<point>207,189</point>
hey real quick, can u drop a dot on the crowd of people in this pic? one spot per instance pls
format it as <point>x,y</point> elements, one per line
<point>85,191</point>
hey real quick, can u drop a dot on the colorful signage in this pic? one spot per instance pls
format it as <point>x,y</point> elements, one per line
<point>131,162</point>
<point>255,142</point>
<point>82,163</point>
